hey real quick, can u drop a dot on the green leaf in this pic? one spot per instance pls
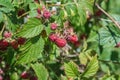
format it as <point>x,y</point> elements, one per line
<point>92,68</point>
<point>31,50</point>
<point>108,36</point>
<point>40,71</point>
<point>31,29</point>
<point>11,23</point>
<point>10,58</point>
<point>14,76</point>
<point>6,6</point>
<point>83,58</point>
<point>71,69</point>
<point>32,6</point>
<point>33,13</point>
<point>86,5</point>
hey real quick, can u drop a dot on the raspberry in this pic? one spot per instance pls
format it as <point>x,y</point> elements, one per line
<point>39,11</point>
<point>21,12</point>
<point>46,14</point>
<point>3,45</point>
<point>14,44</point>
<point>98,13</point>
<point>53,26</point>
<point>21,40</point>
<point>7,34</point>
<point>25,75</point>
<point>60,42</point>
<point>72,38</point>
<point>53,37</point>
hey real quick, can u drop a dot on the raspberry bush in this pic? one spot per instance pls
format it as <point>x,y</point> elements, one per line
<point>59,40</point>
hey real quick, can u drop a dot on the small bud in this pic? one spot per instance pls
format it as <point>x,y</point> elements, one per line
<point>53,26</point>
<point>46,14</point>
<point>7,34</point>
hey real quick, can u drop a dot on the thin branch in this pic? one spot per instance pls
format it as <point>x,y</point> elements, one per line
<point>23,14</point>
<point>110,17</point>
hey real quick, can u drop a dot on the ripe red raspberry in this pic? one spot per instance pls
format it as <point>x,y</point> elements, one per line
<point>3,45</point>
<point>53,37</point>
<point>53,26</point>
<point>21,12</point>
<point>46,14</point>
<point>72,38</point>
<point>33,78</point>
<point>21,40</point>
<point>39,11</point>
<point>7,34</point>
<point>14,44</point>
<point>98,13</point>
<point>25,75</point>
<point>60,42</point>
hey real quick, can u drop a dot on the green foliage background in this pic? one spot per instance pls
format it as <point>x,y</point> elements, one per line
<point>97,57</point>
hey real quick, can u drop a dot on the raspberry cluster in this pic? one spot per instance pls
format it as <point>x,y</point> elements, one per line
<point>8,41</point>
<point>63,36</point>
<point>43,13</point>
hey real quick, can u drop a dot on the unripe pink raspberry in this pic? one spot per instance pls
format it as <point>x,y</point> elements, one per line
<point>1,71</point>
<point>53,26</point>
<point>7,34</point>
<point>53,37</point>
<point>1,78</point>
<point>60,42</point>
<point>46,14</point>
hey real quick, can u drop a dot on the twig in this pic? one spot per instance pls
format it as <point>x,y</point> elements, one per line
<point>71,55</point>
<point>110,17</point>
